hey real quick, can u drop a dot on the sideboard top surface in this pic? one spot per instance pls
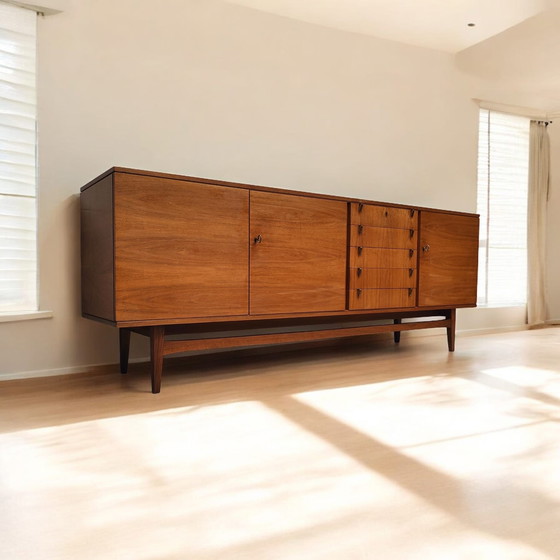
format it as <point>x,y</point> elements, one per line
<point>260,188</point>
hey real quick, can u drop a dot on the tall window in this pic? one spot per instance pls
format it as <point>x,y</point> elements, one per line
<point>503,175</point>
<point>18,169</point>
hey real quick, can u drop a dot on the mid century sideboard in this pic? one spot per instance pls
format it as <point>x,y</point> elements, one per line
<point>228,265</point>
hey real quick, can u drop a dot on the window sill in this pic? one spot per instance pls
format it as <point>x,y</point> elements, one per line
<point>13,316</point>
<point>500,305</point>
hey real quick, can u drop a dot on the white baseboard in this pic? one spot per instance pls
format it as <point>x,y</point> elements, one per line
<point>97,368</point>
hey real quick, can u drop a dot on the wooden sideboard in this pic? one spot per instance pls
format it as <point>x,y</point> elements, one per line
<point>227,265</point>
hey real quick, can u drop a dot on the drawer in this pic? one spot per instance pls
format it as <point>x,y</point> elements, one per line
<point>382,299</point>
<point>367,236</point>
<point>367,257</point>
<point>382,278</point>
<point>383,216</point>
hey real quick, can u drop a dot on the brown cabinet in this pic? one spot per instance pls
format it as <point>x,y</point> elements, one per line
<point>298,249</point>
<point>167,254</point>
<point>383,256</point>
<point>448,259</point>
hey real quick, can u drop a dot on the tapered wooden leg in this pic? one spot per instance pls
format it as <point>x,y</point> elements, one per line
<point>156,356</point>
<point>124,346</point>
<point>451,330</point>
<point>397,334</point>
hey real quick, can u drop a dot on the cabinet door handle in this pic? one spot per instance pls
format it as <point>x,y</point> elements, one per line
<point>412,213</point>
<point>410,272</point>
<point>360,249</point>
<point>409,292</point>
<point>360,229</point>
<point>410,253</point>
<point>359,292</point>
<point>359,271</point>
<point>426,248</point>
<point>411,233</point>
<point>360,206</point>
<point>258,239</point>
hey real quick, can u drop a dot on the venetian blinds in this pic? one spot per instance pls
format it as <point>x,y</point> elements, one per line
<point>18,253</point>
<point>503,171</point>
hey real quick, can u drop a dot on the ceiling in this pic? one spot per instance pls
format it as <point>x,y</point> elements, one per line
<point>435,24</point>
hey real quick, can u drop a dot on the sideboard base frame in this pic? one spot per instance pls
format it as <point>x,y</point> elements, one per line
<point>211,336</point>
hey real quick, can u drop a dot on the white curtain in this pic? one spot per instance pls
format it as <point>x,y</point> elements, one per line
<point>539,188</point>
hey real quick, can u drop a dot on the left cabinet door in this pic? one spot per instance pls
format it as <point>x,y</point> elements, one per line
<point>180,249</point>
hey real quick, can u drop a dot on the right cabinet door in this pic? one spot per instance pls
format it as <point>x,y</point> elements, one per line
<point>448,259</point>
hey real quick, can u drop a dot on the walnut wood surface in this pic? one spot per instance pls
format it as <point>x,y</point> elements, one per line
<point>372,299</point>
<point>177,346</point>
<point>96,216</point>
<point>300,264</point>
<point>383,216</point>
<point>382,278</point>
<point>396,238</point>
<point>180,249</point>
<point>382,258</point>
<point>448,270</point>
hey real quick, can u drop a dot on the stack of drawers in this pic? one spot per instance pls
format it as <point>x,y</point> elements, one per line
<point>383,257</point>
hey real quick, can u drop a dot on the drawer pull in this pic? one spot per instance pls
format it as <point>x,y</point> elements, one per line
<point>410,272</point>
<point>360,249</point>
<point>410,253</point>
<point>258,239</point>
<point>426,248</point>
<point>412,213</point>
<point>409,292</point>
<point>359,271</point>
<point>359,292</point>
<point>360,229</point>
<point>360,206</point>
<point>386,213</point>
<point>411,233</point>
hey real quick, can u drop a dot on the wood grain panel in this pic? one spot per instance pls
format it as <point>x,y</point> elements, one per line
<point>448,269</point>
<point>96,217</point>
<point>382,278</point>
<point>382,258</point>
<point>181,249</point>
<point>300,265</point>
<point>382,299</point>
<point>367,236</point>
<point>383,216</point>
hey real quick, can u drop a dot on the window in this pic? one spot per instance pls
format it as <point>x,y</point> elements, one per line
<point>18,169</point>
<point>503,175</point>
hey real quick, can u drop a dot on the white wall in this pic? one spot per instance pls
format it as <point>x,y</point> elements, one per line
<point>209,89</point>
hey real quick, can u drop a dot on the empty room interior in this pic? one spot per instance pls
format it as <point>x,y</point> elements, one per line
<point>279,279</point>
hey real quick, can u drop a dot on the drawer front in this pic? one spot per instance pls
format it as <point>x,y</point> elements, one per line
<point>382,299</point>
<point>382,258</point>
<point>396,238</point>
<point>382,278</point>
<point>383,216</point>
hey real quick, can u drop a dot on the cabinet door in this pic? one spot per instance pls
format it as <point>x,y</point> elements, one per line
<point>298,254</point>
<point>448,262</point>
<point>180,249</point>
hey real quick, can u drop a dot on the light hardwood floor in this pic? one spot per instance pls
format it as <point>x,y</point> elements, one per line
<point>360,450</point>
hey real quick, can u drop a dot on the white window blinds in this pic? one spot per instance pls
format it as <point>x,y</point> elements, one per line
<point>503,171</point>
<point>18,253</point>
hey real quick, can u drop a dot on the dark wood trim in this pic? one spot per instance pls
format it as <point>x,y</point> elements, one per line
<point>157,343</point>
<point>380,313</point>
<point>397,334</point>
<point>124,348</point>
<point>451,316</point>
<point>177,346</point>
